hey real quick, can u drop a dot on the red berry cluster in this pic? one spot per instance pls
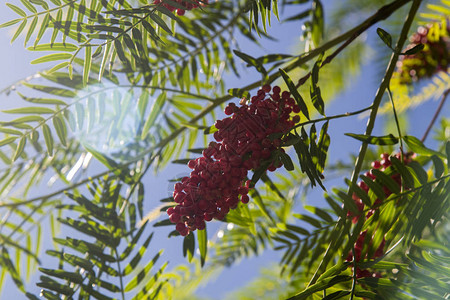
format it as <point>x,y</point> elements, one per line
<point>186,5</point>
<point>433,58</point>
<point>243,142</point>
<point>382,166</point>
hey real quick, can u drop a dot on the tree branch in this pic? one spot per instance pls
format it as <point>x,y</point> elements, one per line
<point>436,114</point>
<point>370,125</point>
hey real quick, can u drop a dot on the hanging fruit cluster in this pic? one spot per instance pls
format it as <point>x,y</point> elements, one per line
<point>382,166</point>
<point>185,4</point>
<point>434,57</point>
<point>244,141</point>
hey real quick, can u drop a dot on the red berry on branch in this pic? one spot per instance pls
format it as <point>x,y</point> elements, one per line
<point>382,166</point>
<point>217,180</point>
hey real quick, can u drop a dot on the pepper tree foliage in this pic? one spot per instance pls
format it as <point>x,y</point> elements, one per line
<point>114,59</point>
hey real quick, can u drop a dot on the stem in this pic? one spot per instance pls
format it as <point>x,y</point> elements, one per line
<point>354,273</point>
<point>384,85</point>
<point>397,123</point>
<point>120,274</point>
<point>436,114</point>
<point>347,114</point>
<point>370,125</point>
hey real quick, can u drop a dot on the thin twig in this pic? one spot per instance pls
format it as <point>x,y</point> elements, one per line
<point>436,114</point>
<point>344,115</point>
<point>354,273</point>
<point>397,123</point>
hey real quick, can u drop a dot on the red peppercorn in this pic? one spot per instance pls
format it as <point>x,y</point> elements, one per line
<point>385,162</point>
<point>216,183</point>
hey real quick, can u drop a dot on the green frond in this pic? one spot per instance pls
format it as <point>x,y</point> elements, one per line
<point>101,221</point>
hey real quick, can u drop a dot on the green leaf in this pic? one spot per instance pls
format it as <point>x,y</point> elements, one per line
<point>142,274</point>
<point>30,110</point>
<point>10,131</point>
<point>42,100</point>
<point>54,47</point>
<point>416,146</point>
<point>239,93</point>
<point>375,187</point>
<point>189,246</point>
<point>31,29</point>
<point>404,172</point>
<point>386,181</point>
<point>7,264</point>
<point>414,50</point>
<point>154,112</point>
<point>29,6</point>
<point>10,23</point>
<point>8,140</point>
<point>259,172</point>
<point>160,22</point>
<point>287,161</point>
<point>322,147</point>
<point>318,26</point>
<point>385,37</point>
<point>20,148</point>
<point>19,30</point>
<point>43,26</point>
<point>349,203</point>
<point>61,130</point>
<point>210,130</point>
<point>334,270</point>
<point>70,276</point>
<point>48,138</point>
<point>52,90</point>
<point>202,240</point>
<point>87,65</point>
<point>104,159</point>
<point>418,171</point>
<point>51,57</point>
<point>320,213</point>
<point>316,95</point>
<point>53,285</point>
<point>300,102</point>
<point>320,286</point>
<point>438,166</point>
<point>375,140</point>
<point>137,258</point>
<point>308,219</point>
<point>17,10</point>
<point>78,261</point>
<point>251,61</point>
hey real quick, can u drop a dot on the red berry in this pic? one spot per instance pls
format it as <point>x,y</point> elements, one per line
<point>376,164</point>
<point>228,110</point>
<point>276,89</point>
<point>217,178</point>
<point>266,88</point>
<point>174,218</point>
<point>285,95</point>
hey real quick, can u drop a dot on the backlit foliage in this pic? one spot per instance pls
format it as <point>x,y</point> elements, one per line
<point>129,87</point>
